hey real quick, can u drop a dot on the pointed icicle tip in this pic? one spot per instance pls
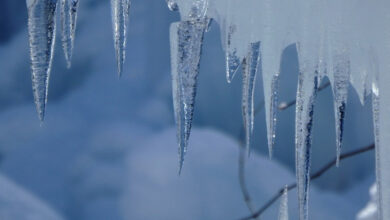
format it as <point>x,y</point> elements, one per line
<point>283,208</point>
<point>186,39</point>
<point>250,67</point>
<point>41,29</point>
<point>120,16</point>
<point>233,62</point>
<point>69,10</point>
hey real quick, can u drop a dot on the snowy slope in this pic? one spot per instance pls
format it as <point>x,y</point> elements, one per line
<point>18,204</point>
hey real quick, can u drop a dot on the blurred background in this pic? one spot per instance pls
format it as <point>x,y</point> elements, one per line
<point>107,148</point>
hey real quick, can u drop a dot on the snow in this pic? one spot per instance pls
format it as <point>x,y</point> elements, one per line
<point>370,212</point>
<point>18,204</point>
<point>208,187</point>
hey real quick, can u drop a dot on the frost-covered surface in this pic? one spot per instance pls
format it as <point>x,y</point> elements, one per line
<point>370,212</point>
<point>346,41</point>
<point>18,204</point>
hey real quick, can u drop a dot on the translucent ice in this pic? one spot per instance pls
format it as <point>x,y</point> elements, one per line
<point>120,18</point>
<point>68,27</point>
<point>41,29</point>
<point>186,47</point>
<point>250,67</point>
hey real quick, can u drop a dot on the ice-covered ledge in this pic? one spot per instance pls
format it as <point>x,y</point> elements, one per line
<point>347,41</point>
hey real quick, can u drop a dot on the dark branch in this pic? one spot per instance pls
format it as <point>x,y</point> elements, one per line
<point>312,177</point>
<point>284,106</point>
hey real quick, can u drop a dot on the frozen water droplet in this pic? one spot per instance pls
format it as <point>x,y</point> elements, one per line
<point>41,29</point>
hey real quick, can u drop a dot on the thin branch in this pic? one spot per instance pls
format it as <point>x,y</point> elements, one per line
<point>284,105</point>
<point>312,177</point>
<point>241,176</point>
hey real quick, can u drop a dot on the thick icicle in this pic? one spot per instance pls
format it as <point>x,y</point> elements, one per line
<point>120,17</point>
<point>307,49</point>
<point>68,27</point>
<point>250,67</point>
<point>41,29</point>
<point>186,45</point>
<point>283,208</point>
<point>307,87</point>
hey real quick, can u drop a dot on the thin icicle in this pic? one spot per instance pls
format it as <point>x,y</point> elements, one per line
<point>232,60</point>
<point>340,91</point>
<point>186,45</point>
<point>68,27</point>
<point>120,17</point>
<point>283,209</point>
<point>41,29</point>
<point>250,67</point>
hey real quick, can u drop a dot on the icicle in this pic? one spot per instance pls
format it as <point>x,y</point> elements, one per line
<point>120,17</point>
<point>250,67</point>
<point>68,27</point>
<point>186,45</point>
<point>41,29</point>
<point>380,108</point>
<point>283,209</point>
<point>340,91</point>
<point>270,70</point>
<point>232,60</point>
<point>307,87</point>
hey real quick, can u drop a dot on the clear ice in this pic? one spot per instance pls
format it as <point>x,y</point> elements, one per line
<point>250,67</point>
<point>346,41</point>
<point>120,18</point>
<point>68,27</point>
<point>41,30</point>
<point>186,46</point>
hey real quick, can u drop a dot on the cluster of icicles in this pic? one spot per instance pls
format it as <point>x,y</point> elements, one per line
<point>347,41</point>
<point>42,35</point>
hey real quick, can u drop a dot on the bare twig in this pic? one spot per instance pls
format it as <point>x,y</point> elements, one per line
<point>312,177</point>
<point>284,105</point>
<point>241,175</point>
